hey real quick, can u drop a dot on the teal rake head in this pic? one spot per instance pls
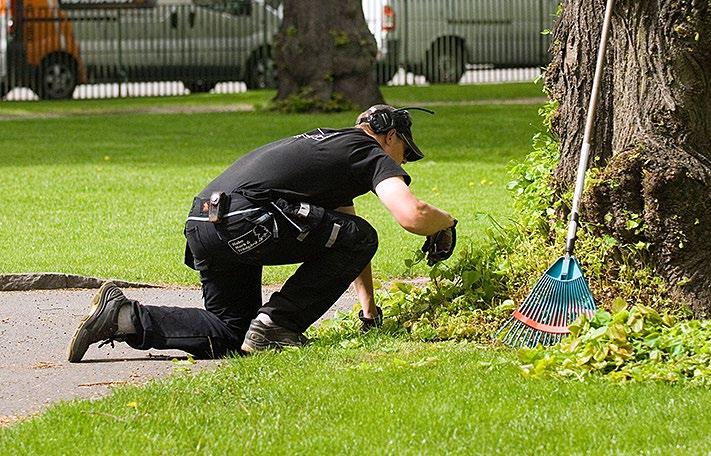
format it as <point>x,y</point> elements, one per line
<point>558,298</point>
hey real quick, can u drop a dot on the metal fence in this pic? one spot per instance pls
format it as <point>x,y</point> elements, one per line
<point>113,48</point>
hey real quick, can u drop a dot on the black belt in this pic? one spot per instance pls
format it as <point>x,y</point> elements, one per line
<point>241,205</point>
<point>201,206</point>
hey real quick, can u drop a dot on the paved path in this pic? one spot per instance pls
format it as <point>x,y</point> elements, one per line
<point>36,326</point>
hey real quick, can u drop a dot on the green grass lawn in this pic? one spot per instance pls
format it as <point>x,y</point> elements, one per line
<point>107,194</point>
<point>383,397</point>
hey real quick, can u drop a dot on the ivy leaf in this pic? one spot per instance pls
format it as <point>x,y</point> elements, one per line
<point>631,224</point>
<point>470,277</point>
<point>617,332</point>
<point>601,318</point>
<point>618,305</point>
<point>601,353</point>
<point>595,333</point>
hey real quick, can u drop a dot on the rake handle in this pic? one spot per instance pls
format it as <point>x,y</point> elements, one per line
<point>585,149</point>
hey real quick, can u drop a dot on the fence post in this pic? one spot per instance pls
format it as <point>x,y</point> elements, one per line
<point>119,48</point>
<point>405,38</point>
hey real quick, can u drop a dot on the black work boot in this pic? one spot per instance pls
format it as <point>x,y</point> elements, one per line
<point>102,322</point>
<point>262,336</point>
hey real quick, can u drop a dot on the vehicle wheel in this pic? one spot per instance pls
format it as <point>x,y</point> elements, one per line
<point>57,78</point>
<point>199,85</point>
<point>445,61</point>
<point>261,71</point>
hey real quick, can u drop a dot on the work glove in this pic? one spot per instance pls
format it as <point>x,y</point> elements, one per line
<point>368,323</point>
<point>439,246</point>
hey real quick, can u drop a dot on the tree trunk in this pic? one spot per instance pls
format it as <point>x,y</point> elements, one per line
<point>325,55</point>
<point>652,132</point>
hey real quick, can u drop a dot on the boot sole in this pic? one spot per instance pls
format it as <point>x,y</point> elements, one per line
<point>254,347</point>
<point>250,346</point>
<point>79,345</point>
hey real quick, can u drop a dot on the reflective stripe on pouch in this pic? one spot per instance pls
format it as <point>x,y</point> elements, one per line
<point>229,214</point>
<point>286,217</point>
<point>334,234</point>
<point>304,209</point>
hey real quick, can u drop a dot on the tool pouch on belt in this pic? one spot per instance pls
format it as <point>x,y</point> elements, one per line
<point>218,206</point>
<point>249,233</point>
<point>302,216</point>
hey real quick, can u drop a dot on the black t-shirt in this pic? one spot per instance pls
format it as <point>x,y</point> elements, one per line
<point>325,167</point>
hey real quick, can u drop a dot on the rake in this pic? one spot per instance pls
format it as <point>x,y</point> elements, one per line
<point>562,294</point>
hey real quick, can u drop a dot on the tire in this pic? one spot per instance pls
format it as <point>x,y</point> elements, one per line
<point>261,72</point>
<point>57,78</point>
<point>199,85</point>
<point>445,61</point>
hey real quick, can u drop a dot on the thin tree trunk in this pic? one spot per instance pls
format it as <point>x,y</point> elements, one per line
<point>653,130</point>
<point>325,53</point>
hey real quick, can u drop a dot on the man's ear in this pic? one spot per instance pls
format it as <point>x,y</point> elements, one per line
<point>390,136</point>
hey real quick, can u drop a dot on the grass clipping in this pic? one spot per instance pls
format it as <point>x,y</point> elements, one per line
<point>628,345</point>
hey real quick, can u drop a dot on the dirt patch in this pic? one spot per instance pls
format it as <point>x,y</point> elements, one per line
<point>9,420</point>
<point>221,108</point>
<point>166,109</point>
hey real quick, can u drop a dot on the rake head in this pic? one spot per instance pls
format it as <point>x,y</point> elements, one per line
<point>558,298</point>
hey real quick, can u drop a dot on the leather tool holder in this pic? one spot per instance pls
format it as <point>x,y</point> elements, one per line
<point>218,207</point>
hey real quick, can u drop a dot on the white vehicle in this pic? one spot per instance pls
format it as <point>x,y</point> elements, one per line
<point>4,28</point>
<point>438,38</point>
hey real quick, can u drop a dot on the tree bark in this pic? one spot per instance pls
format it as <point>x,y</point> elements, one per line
<point>652,132</point>
<point>325,53</point>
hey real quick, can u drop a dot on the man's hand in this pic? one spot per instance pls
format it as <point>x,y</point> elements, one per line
<point>440,246</point>
<point>368,323</point>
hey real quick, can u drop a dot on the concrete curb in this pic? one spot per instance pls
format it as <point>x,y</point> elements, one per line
<point>57,280</point>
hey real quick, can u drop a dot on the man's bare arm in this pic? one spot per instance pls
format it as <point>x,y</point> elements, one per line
<point>364,282</point>
<point>412,214</point>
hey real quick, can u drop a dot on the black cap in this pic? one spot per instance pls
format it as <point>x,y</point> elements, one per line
<point>383,118</point>
<point>403,126</point>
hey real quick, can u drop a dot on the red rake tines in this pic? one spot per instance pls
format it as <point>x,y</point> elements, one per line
<point>553,304</point>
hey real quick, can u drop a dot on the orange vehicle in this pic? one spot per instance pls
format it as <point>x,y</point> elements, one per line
<point>40,49</point>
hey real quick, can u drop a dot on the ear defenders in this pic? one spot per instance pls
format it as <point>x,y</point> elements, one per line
<point>383,120</point>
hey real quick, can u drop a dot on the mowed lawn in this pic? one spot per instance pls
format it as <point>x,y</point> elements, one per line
<point>380,396</point>
<point>106,194</point>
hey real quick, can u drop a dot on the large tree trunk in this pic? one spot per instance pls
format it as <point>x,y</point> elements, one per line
<point>652,132</point>
<point>326,54</point>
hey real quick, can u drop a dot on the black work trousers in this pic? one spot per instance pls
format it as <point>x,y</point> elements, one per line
<point>229,257</point>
